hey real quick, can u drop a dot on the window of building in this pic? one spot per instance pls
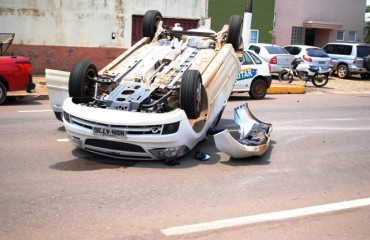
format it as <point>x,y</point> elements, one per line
<point>352,36</point>
<point>340,35</point>
<point>297,35</point>
<point>254,36</point>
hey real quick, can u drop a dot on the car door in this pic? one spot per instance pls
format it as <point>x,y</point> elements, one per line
<point>247,73</point>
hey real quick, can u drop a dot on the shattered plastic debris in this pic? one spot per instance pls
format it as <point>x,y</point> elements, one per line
<point>202,156</point>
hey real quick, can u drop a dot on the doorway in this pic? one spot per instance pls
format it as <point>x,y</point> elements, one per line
<point>310,36</point>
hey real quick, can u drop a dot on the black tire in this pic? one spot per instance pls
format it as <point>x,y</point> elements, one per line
<point>365,76</point>
<point>285,76</point>
<point>150,21</point>
<point>321,80</point>
<point>235,31</point>
<point>59,116</point>
<point>258,89</point>
<point>367,62</point>
<point>342,71</point>
<point>2,92</point>
<point>80,80</point>
<point>191,93</point>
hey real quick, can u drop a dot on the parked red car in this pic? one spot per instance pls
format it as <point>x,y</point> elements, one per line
<point>15,71</point>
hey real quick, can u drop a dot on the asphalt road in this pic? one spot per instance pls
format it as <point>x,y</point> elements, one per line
<point>318,155</point>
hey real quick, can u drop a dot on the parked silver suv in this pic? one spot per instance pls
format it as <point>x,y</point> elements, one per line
<point>349,58</point>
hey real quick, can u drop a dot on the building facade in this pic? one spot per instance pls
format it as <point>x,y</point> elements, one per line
<point>317,22</point>
<point>284,22</point>
<point>57,33</point>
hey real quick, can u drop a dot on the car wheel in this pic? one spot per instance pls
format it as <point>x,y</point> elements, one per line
<point>342,71</point>
<point>191,93</point>
<point>2,92</point>
<point>365,76</point>
<point>150,21</point>
<point>80,80</point>
<point>235,31</point>
<point>258,89</point>
<point>367,62</point>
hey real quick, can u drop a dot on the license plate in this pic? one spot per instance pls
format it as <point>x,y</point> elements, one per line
<point>108,132</point>
<point>321,62</point>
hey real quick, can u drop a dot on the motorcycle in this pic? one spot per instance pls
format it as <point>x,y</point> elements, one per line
<point>304,71</point>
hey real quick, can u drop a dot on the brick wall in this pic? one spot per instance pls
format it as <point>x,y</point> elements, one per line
<point>63,58</point>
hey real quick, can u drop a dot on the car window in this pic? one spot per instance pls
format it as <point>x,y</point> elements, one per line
<point>338,49</point>
<point>255,48</point>
<point>288,48</point>
<point>295,51</point>
<point>276,50</point>
<point>247,59</point>
<point>329,48</point>
<point>255,58</point>
<point>316,52</point>
<point>363,51</point>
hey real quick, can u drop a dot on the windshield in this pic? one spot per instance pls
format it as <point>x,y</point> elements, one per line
<point>276,50</point>
<point>316,52</point>
<point>363,51</point>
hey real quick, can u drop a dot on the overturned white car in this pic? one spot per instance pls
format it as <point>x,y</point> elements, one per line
<point>155,101</point>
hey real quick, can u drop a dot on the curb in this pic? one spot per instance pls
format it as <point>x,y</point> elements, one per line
<point>285,88</point>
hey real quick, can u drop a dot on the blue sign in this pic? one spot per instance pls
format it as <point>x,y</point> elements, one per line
<point>246,73</point>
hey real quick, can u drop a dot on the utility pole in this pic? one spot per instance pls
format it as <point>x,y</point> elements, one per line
<point>247,22</point>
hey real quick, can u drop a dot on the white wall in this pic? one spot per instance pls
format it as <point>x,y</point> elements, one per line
<point>85,23</point>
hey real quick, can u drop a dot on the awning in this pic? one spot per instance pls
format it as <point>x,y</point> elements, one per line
<point>324,25</point>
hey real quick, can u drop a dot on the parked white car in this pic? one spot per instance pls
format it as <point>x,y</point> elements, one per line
<point>275,55</point>
<point>315,56</point>
<point>254,76</point>
<point>158,99</point>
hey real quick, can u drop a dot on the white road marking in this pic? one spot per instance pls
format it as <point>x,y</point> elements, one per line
<point>34,111</point>
<point>318,128</point>
<point>63,140</point>
<point>299,212</point>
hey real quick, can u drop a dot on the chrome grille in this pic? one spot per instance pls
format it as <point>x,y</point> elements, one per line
<point>133,130</point>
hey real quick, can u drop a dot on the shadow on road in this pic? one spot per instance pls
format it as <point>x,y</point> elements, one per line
<point>256,160</point>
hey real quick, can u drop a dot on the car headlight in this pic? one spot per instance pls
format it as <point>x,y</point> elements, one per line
<point>170,152</point>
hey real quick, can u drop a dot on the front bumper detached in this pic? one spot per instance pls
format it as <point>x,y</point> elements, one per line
<point>252,139</point>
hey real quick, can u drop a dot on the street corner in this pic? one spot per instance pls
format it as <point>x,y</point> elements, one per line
<point>278,87</point>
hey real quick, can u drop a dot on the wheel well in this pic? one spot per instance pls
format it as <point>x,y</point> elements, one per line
<point>341,63</point>
<point>3,81</point>
<point>260,77</point>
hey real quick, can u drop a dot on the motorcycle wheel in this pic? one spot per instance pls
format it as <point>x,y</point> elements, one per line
<point>285,76</point>
<point>320,80</point>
